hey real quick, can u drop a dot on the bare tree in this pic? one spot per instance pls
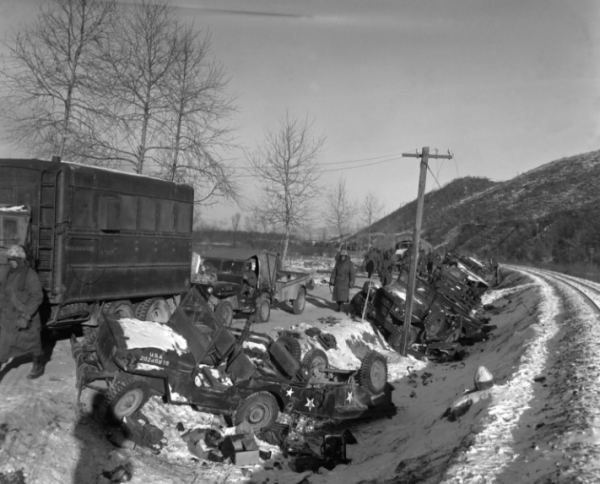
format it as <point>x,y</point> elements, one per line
<point>371,209</point>
<point>235,225</point>
<point>340,208</point>
<point>287,172</point>
<point>194,130</point>
<point>130,86</point>
<point>45,77</point>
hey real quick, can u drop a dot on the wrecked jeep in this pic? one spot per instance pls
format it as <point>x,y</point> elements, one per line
<point>434,318</point>
<point>243,280</point>
<point>194,359</point>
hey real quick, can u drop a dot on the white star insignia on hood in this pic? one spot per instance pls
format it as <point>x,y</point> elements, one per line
<point>289,392</point>
<point>310,403</point>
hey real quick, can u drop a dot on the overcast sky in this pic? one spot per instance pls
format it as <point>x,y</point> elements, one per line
<point>506,85</point>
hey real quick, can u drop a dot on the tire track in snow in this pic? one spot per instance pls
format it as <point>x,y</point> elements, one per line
<point>494,447</point>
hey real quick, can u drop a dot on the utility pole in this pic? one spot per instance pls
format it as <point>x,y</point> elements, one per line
<point>412,275</point>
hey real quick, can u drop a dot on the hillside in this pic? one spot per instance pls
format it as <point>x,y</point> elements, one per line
<point>548,214</point>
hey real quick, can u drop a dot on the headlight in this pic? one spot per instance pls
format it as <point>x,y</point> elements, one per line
<point>209,290</point>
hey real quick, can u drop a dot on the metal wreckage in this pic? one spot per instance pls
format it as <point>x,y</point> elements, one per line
<point>442,309</point>
<point>194,359</point>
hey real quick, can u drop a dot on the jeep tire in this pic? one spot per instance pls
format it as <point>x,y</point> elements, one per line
<point>315,362</point>
<point>224,310</point>
<point>292,345</point>
<point>260,410</point>
<point>124,397</point>
<point>373,374</point>
<point>263,309</point>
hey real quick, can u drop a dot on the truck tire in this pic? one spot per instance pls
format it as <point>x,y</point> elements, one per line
<point>119,309</point>
<point>373,373</point>
<point>155,309</point>
<point>413,337</point>
<point>292,345</point>
<point>263,310</point>
<point>224,310</point>
<point>124,397</point>
<point>299,302</point>
<point>315,362</point>
<point>260,410</point>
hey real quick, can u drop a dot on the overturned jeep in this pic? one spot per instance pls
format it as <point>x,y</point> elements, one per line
<point>242,280</point>
<point>195,360</point>
<point>434,317</point>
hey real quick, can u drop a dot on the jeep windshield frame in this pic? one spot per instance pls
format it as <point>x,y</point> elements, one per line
<point>194,320</point>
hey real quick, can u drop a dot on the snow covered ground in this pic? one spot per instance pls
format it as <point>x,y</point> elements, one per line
<point>540,423</point>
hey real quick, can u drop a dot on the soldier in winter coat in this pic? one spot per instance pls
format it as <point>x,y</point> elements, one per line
<point>20,326</point>
<point>387,268</point>
<point>342,279</point>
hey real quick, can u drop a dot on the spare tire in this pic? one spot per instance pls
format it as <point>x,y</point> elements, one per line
<point>315,361</point>
<point>292,345</point>
<point>373,373</point>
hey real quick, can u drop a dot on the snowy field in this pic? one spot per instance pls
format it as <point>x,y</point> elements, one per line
<point>540,423</point>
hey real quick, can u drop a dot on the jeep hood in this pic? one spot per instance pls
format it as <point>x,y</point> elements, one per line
<point>132,334</point>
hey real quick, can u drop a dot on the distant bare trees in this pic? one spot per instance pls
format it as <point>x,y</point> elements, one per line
<point>287,172</point>
<point>340,209</point>
<point>235,225</point>
<point>370,210</point>
<point>128,86</point>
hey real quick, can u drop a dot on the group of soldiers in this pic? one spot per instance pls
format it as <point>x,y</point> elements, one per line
<point>384,262</point>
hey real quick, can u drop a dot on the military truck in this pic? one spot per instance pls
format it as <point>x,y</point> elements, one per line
<point>101,240</point>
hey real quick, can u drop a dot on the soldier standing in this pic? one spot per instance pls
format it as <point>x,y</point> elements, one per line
<point>342,279</point>
<point>20,298</point>
<point>387,268</point>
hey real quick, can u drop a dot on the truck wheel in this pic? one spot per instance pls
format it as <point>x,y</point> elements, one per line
<point>299,302</point>
<point>264,310</point>
<point>224,310</point>
<point>315,361</point>
<point>260,410</point>
<point>292,345</point>
<point>124,397</point>
<point>119,309</point>
<point>413,337</point>
<point>373,373</point>
<point>155,309</point>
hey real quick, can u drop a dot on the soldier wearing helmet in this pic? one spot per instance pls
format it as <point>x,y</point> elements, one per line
<point>20,298</point>
<point>342,279</point>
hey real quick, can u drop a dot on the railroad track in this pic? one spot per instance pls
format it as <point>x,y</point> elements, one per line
<point>575,382</point>
<point>588,290</point>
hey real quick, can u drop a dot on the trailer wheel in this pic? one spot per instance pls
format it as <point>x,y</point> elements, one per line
<point>260,410</point>
<point>299,302</point>
<point>315,361</point>
<point>292,345</point>
<point>373,373</point>
<point>119,309</point>
<point>124,397</point>
<point>155,309</point>
<point>263,308</point>
<point>224,310</point>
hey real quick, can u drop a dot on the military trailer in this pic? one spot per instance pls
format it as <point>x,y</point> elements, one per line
<point>100,239</point>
